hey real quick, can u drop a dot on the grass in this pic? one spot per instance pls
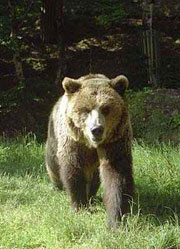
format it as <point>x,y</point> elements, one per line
<point>34,215</point>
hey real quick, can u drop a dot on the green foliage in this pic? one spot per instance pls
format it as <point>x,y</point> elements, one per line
<point>155,115</point>
<point>103,12</point>
<point>111,12</point>
<point>176,119</point>
<point>5,24</point>
<point>16,96</point>
<point>23,12</point>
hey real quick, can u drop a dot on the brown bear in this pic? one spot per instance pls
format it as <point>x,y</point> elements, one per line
<point>89,142</point>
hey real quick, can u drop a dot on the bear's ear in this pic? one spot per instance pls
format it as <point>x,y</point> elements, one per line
<point>120,84</point>
<point>70,85</point>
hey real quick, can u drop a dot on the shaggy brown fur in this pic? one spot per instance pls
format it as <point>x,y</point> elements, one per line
<point>74,162</point>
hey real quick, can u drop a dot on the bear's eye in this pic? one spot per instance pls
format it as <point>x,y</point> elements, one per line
<point>85,110</point>
<point>105,110</point>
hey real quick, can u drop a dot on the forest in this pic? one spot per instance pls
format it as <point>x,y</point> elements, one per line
<point>41,42</point>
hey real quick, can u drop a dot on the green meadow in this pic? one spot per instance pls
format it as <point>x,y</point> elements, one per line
<point>34,215</point>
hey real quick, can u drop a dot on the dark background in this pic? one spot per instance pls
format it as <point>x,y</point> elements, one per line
<point>48,40</point>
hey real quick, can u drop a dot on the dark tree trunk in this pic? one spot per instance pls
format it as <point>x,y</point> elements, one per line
<point>14,38</point>
<point>53,32</point>
<point>62,67</point>
<point>50,13</point>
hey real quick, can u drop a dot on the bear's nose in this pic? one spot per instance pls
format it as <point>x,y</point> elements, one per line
<point>97,131</point>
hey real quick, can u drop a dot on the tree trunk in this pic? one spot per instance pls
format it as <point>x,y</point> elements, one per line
<point>49,15</point>
<point>62,67</point>
<point>52,31</point>
<point>150,43</point>
<point>16,46</point>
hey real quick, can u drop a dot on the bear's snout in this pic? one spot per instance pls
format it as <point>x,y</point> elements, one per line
<point>97,131</point>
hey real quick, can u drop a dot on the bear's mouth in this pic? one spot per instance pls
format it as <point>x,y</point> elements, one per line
<point>96,140</point>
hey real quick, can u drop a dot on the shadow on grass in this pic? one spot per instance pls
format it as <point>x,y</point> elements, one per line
<point>13,168</point>
<point>161,202</point>
<point>21,156</point>
<point>26,158</point>
<point>164,203</point>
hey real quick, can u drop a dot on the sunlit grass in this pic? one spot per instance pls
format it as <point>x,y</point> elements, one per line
<point>34,215</point>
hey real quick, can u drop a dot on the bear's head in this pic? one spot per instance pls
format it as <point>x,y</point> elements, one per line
<point>96,112</point>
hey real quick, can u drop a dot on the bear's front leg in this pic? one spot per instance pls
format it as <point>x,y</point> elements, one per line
<point>117,180</point>
<point>75,184</point>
